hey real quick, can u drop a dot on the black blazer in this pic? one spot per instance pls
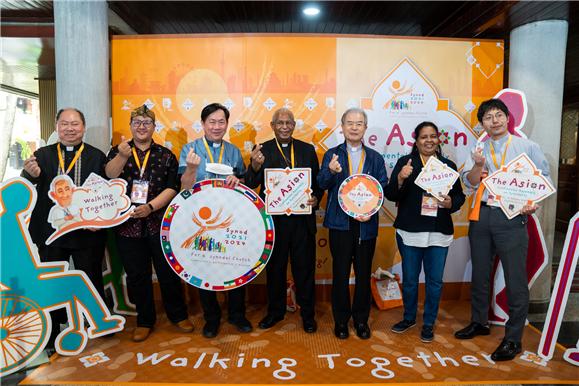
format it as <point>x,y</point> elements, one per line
<point>305,157</point>
<point>409,200</point>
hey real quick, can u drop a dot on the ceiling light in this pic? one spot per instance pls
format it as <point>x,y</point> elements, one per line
<point>311,11</point>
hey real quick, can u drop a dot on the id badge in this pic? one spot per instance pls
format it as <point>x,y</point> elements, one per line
<point>140,192</point>
<point>429,206</point>
<point>491,201</point>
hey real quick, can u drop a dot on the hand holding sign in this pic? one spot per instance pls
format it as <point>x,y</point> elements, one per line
<point>437,179</point>
<point>518,186</point>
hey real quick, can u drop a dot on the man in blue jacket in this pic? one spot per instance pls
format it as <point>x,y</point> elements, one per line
<point>352,241</point>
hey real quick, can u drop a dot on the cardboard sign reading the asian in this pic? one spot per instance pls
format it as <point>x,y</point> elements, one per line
<point>517,184</point>
<point>287,191</point>
<point>436,178</point>
<point>98,203</point>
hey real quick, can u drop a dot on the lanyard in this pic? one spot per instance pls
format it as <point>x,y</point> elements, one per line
<point>283,155</point>
<point>422,159</point>
<point>61,160</point>
<point>504,153</point>
<point>209,151</point>
<point>360,165</point>
<point>141,169</point>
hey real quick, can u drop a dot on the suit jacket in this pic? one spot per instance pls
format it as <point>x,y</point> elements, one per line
<point>305,157</point>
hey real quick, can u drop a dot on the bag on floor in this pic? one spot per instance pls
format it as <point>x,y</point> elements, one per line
<point>386,289</point>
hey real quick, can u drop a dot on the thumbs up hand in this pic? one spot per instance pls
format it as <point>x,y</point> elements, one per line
<point>334,165</point>
<point>405,172</point>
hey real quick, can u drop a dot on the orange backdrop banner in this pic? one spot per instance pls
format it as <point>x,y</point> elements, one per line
<point>398,81</point>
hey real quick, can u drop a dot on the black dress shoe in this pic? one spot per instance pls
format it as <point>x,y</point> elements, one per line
<point>242,324</point>
<point>210,329</point>
<point>472,330</point>
<point>341,331</point>
<point>310,326</point>
<point>362,330</point>
<point>506,351</point>
<point>269,321</point>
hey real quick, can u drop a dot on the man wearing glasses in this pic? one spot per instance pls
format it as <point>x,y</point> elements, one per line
<point>492,233</point>
<point>295,234</point>
<point>152,181</point>
<point>77,159</point>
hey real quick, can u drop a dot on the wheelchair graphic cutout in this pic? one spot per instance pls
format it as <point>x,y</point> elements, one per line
<point>30,289</point>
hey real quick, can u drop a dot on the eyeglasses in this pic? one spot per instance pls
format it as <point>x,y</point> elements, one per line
<point>359,124</point>
<point>285,123</point>
<point>66,124</point>
<point>499,116</point>
<point>137,123</point>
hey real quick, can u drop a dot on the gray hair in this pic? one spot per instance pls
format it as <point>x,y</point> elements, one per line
<point>355,110</point>
<point>281,111</point>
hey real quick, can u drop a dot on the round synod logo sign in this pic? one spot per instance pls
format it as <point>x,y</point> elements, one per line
<point>360,195</point>
<point>216,237</point>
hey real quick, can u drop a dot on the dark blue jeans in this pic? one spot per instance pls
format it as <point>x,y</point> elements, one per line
<point>433,259</point>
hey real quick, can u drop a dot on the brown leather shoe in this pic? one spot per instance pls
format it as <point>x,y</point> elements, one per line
<point>141,333</point>
<point>185,325</point>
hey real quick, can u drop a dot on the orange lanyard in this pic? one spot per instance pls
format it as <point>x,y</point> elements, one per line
<point>61,160</point>
<point>283,155</point>
<point>422,159</point>
<point>504,153</point>
<point>360,165</point>
<point>209,151</point>
<point>141,169</point>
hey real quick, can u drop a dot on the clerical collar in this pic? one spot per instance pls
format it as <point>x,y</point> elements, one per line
<point>284,144</point>
<point>213,144</point>
<point>70,148</point>
<point>354,149</point>
<point>501,141</point>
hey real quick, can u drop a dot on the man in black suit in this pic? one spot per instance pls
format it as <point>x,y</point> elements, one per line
<point>295,234</point>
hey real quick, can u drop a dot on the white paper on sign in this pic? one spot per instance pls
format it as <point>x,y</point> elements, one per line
<point>436,178</point>
<point>517,184</point>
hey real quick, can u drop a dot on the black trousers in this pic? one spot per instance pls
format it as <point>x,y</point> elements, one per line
<point>88,260</point>
<point>494,234</point>
<point>347,249</point>
<point>212,309</point>
<point>136,255</point>
<point>295,243</point>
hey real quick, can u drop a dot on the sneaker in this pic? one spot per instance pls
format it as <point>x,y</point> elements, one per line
<point>402,326</point>
<point>427,334</point>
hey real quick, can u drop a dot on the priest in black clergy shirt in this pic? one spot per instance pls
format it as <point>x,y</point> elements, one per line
<point>295,235</point>
<point>71,156</point>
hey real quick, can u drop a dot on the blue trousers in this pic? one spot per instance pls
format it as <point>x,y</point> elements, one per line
<point>413,258</point>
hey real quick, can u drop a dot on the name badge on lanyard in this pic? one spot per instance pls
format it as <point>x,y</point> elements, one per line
<point>140,190</point>
<point>429,206</point>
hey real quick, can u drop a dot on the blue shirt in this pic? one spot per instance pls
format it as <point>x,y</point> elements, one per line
<point>231,157</point>
<point>517,146</point>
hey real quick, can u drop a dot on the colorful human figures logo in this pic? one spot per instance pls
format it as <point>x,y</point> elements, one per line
<point>30,289</point>
<point>206,223</point>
